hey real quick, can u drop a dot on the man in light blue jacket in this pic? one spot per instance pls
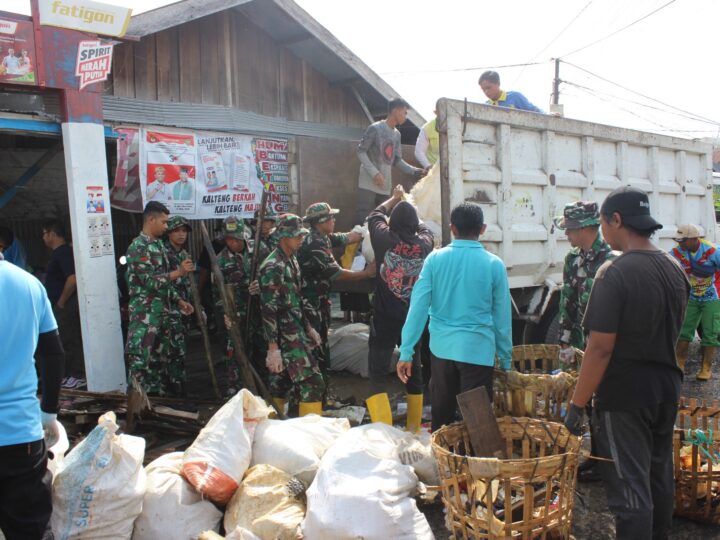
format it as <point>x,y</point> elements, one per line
<point>464,290</point>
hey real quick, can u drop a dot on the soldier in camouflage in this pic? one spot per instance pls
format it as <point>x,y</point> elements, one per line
<point>175,244</point>
<point>234,262</point>
<point>152,295</point>
<point>290,336</point>
<point>319,269</point>
<point>268,240</point>
<point>581,222</point>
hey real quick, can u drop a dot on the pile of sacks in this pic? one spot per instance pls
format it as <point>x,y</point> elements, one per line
<point>310,477</point>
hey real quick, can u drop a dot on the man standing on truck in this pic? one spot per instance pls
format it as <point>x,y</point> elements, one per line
<point>379,150</point>
<point>490,84</point>
<point>700,260</point>
<point>634,316</point>
<point>581,222</point>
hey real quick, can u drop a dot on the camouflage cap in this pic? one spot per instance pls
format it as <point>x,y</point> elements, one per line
<point>175,222</point>
<point>290,226</point>
<point>235,228</point>
<point>578,215</point>
<point>269,215</point>
<point>319,212</point>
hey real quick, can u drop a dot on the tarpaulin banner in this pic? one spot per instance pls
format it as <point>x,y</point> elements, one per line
<point>204,175</point>
<point>126,193</point>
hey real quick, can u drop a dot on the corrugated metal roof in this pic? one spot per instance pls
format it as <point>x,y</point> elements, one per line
<point>216,118</point>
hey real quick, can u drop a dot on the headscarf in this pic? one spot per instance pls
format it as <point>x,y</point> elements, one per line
<point>404,221</point>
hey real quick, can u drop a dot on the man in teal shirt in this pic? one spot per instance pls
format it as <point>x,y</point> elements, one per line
<point>464,289</point>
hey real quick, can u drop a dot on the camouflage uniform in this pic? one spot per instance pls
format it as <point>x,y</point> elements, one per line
<point>285,318</point>
<point>235,268</point>
<point>579,272</point>
<point>152,295</point>
<point>319,268</point>
<point>179,324</point>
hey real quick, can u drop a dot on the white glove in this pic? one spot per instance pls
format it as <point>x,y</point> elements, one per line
<point>314,337</point>
<point>254,288</point>
<point>360,230</point>
<point>273,361</point>
<point>51,431</point>
<point>567,356</point>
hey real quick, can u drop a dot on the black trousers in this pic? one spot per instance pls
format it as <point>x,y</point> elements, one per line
<point>450,378</point>
<point>639,481</point>
<point>384,335</point>
<point>68,319</point>
<point>25,492</point>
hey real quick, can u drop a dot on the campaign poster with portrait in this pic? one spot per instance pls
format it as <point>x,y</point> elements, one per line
<point>17,51</point>
<point>168,169</point>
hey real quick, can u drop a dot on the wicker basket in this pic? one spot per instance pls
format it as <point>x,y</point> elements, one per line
<point>540,479</point>
<point>697,479</point>
<point>530,390</point>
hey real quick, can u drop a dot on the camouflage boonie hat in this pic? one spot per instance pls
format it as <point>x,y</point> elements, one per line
<point>235,228</point>
<point>269,215</point>
<point>319,212</point>
<point>290,226</point>
<point>578,215</point>
<point>175,222</point>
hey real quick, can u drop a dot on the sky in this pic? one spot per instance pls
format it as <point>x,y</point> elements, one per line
<point>659,74</point>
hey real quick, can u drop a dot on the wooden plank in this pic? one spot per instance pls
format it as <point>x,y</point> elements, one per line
<point>123,71</point>
<point>189,55</point>
<point>168,65</point>
<point>209,60</point>
<point>481,424</point>
<point>292,90</point>
<point>145,71</point>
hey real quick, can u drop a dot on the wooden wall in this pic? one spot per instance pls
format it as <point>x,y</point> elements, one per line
<point>223,59</point>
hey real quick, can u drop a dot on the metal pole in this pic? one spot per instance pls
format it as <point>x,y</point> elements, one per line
<point>556,83</point>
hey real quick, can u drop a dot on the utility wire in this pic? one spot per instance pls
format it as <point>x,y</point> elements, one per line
<point>484,68</point>
<point>620,29</point>
<point>703,118</point>
<point>653,107</point>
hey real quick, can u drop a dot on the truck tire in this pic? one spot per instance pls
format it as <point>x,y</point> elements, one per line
<point>545,331</point>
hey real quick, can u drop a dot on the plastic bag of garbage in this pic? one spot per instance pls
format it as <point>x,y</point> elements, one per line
<point>216,461</point>
<point>99,490</point>
<point>349,350</point>
<point>425,196</point>
<point>416,451</point>
<point>171,507</point>
<point>362,490</point>
<point>268,504</point>
<point>296,446</point>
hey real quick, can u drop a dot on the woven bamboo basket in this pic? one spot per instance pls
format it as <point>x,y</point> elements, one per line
<point>539,478</point>
<point>530,390</point>
<point>697,474</point>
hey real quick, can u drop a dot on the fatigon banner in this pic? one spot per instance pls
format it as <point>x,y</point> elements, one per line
<point>86,16</point>
<point>94,61</point>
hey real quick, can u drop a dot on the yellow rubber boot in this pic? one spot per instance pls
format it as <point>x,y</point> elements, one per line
<point>414,412</point>
<point>279,405</point>
<point>681,352</point>
<point>310,407</point>
<point>706,371</point>
<point>348,256</point>
<point>379,407</point>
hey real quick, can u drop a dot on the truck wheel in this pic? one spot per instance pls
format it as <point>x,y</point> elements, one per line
<point>546,331</point>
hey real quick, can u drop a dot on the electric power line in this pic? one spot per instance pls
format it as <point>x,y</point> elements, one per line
<point>484,68</point>
<point>620,29</point>
<point>703,118</point>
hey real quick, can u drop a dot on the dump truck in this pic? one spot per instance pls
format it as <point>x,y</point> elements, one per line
<point>522,168</point>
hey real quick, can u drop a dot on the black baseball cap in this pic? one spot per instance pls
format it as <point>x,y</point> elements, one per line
<point>634,207</point>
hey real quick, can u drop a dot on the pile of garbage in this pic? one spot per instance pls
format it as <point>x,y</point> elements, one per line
<point>249,477</point>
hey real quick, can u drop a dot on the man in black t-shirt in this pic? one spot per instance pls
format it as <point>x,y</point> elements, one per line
<point>634,315</point>
<point>61,287</point>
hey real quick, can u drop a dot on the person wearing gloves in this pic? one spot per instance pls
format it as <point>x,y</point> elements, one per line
<point>319,269</point>
<point>28,427</point>
<point>401,243</point>
<point>634,315</point>
<point>581,223</point>
<point>285,316</point>
<point>700,259</point>
<point>464,290</point>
